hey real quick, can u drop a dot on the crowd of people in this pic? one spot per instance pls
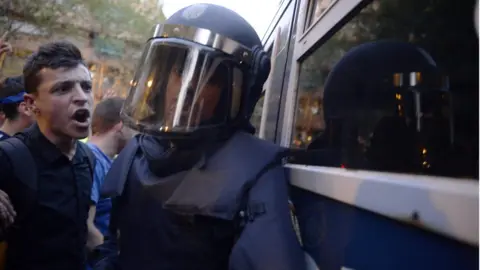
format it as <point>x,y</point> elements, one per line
<point>191,187</point>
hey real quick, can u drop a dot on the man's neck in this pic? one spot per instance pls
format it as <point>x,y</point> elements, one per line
<point>11,127</point>
<point>66,144</point>
<point>108,145</point>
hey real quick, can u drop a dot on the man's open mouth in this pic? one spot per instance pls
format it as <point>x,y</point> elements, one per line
<point>81,115</point>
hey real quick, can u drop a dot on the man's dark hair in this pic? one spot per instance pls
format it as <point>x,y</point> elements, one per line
<point>11,87</point>
<point>106,115</point>
<point>54,55</point>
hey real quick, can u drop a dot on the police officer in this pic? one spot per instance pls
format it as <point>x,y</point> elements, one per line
<point>387,107</point>
<point>198,190</point>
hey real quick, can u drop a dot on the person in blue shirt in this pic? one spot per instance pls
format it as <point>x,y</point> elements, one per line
<point>18,115</point>
<point>5,47</point>
<point>109,136</point>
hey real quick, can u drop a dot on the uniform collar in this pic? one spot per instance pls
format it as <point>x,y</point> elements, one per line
<point>3,136</point>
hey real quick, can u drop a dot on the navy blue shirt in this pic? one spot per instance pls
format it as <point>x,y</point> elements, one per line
<point>52,235</point>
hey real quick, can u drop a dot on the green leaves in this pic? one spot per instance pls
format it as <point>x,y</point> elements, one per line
<point>124,19</point>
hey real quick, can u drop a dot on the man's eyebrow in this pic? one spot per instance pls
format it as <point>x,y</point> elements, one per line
<point>57,84</point>
<point>73,81</point>
<point>85,81</point>
<point>81,81</point>
<point>70,82</point>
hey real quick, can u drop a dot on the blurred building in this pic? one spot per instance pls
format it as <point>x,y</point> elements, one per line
<point>111,56</point>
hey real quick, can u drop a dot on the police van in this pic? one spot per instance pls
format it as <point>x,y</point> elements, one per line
<point>373,208</point>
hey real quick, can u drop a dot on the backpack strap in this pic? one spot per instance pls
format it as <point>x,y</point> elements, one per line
<point>23,164</point>
<point>90,156</point>
<point>25,171</point>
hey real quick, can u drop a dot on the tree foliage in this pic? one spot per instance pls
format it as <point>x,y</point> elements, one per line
<point>115,30</point>
<point>43,14</point>
<point>122,19</point>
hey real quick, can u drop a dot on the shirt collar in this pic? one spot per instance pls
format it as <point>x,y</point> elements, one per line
<point>49,152</point>
<point>3,136</point>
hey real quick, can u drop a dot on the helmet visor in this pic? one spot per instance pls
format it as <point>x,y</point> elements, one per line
<point>181,87</point>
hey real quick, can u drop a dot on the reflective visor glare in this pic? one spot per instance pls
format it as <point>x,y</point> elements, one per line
<point>181,88</point>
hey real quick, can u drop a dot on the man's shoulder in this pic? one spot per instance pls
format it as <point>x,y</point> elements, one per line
<point>92,148</point>
<point>97,152</point>
<point>251,147</point>
<point>102,161</point>
<point>90,145</point>
<point>14,143</point>
<point>15,156</point>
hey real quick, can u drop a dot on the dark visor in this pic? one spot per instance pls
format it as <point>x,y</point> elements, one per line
<point>180,87</point>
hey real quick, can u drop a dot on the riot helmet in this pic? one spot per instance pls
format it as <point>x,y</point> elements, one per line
<point>387,107</point>
<point>201,70</point>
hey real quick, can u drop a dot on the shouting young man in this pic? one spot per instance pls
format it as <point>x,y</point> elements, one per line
<point>46,173</point>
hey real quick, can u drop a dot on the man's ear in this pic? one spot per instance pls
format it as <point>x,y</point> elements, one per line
<point>25,109</point>
<point>30,102</point>
<point>118,127</point>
